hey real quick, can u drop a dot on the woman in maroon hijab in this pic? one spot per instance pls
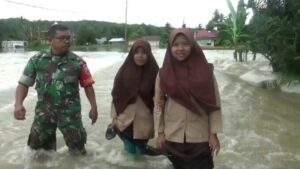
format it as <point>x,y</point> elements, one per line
<point>187,113</point>
<point>133,91</point>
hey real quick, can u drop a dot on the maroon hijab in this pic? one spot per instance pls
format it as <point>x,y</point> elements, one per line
<point>133,80</point>
<point>191,78</point>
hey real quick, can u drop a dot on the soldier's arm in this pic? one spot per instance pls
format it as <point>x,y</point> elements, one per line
<point>21,93</point>
<point>90,94</point>
<point>86,81</point>
<point>27,79</point>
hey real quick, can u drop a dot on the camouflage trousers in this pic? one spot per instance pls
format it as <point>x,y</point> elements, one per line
<point>46,121</point>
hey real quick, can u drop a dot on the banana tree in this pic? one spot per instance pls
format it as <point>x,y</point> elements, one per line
<point>233,31</point>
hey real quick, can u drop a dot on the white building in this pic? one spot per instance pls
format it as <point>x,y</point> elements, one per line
<point>14,44</point>
<point>101,40</point>
<point>116,40</point>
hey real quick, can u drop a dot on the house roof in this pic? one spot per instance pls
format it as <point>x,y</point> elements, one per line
<point>116,40</point>
<point>205,34</point>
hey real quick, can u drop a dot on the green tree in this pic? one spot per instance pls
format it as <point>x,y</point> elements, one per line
<point>138,33</point>
<point>22,29</point>
<point>200,27</point>
<point>234,32</point>
<point>217,18</point>
<point>276,33</point>
<point>86,34</point>
<point>164,38</point>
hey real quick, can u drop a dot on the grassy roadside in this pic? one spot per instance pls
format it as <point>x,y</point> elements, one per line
<point>288,78</point>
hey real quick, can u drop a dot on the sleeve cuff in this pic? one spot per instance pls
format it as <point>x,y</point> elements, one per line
<point>26,80</point>
<point>87,82</point>
<point>113,113</point>
<point>215,120</point>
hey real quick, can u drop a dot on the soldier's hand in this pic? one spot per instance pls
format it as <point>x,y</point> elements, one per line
<point>93,114</point>
<point>20,112</point>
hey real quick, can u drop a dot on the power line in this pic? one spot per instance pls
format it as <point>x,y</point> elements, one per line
<point>40,7</point>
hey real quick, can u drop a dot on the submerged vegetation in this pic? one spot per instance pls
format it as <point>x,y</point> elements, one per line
<point>273,31</point>
<point>275,28</point>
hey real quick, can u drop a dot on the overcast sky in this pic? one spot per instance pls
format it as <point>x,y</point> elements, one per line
<point>155,12</point>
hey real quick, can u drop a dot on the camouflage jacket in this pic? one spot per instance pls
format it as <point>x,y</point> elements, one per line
<point>57,78</point>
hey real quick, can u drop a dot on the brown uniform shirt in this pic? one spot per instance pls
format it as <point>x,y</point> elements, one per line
<point>138,114</point>
<point>177,122</point>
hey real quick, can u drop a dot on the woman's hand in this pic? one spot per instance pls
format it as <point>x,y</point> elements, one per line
<point>160,140</point>
<point>214,144</point>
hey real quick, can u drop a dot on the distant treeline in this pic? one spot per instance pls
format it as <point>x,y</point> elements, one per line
<point>85,31</point>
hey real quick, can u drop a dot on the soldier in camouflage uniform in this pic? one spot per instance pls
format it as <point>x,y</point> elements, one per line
<point>57,73</point>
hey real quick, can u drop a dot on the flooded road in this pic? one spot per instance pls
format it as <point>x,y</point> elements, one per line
<point>260,128</point>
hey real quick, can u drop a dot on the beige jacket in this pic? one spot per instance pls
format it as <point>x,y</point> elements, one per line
<point>176,121</point>
<point>140,115</point>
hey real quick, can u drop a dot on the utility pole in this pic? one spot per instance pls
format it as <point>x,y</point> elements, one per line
<point>30,33</point>
<point>39,34</point>
<point>126,38</point>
